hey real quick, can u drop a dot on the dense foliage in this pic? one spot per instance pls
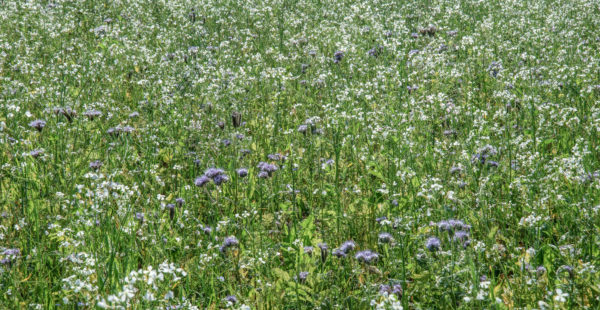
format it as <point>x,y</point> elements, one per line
<point>310,154</point>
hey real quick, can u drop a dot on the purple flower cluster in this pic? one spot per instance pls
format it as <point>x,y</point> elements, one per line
<point>338,56</point>
<point>116,131</point>
<point>95,165</point>
<point>217,175</point>
<point>452,225</point>
<point>38,124</point>
<point>367,256</point>
<point>91,114</point>
<point>10,255</point>
<point>344,249</point>
<point>229,242</point>
<point>266,169</point>
<point>433,244</point>
<point>242,172</point>
<point>385,237</point>
<point>395,289</point>
<point>66,112</point>
<point>36,153</point>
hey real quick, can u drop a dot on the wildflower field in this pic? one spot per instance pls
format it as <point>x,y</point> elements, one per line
<point>309,154</point>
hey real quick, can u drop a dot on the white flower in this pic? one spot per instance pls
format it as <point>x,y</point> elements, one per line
<point>560,296</point>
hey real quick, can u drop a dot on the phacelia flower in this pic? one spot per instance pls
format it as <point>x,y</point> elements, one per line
<point>337,56</point>
<point>367,256</point>
<point>91,114</point>
<point>433,244</point>
<point>385,237</point>
<point>242,172</point>
<point>201,181</point>
<point>231,299</point>
<point>220,179</point>
<point>95,165</point>
<point>348,246</point>
<point>229,242</point>
<point>38,124</point>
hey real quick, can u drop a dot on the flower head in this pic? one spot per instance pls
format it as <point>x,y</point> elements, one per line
<point>385,237</point>
<point>201,181</point>
<point>95,165</point>
<point>433,244</point>
<point>242,172</point>
<point>367,256</point>
<point>229,242</point>
<point>337,56</point>
<point>38,124</point>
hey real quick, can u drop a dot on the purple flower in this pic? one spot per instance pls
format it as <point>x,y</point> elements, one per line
<point>207,230</point>
<point>380,219</point>
<point>433,244</point>
<point>266,169</point>
<point>38,124</point>
<point>11,252</point>
<point>302,129</point>
<point>179,201</point>
<point>226,142</point>
<point>114,131</point>
<point>347,246</point>
<point>385,289</point>
<point>140,217</point>
<point>461,236</point>
<point>444,226</point>
<point>276,157</point>
<point>134,114</point>
<point>302,276</point>
<point>385,237</point>
<point>568,269</point>
<point>91,114</point>
<point>213,172</point>
<point>367,256</point>
<point>230,241</point>
<point>201,181</point>
<point>337,56</point>
<point>339,253</point>
<point>95,165</point>
<point>9,256</point>
<point>36,153</point>
<point>376,51</point>
<point>220,179</point>
<point>397,289</point>
<point>67,112</point>
<point>127,129</point>
<point>308,250</point>
<point>541,270</point>
<point>231,299</point>
<point>242,172</point>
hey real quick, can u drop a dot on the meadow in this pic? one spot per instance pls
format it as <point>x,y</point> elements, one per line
<point>310,154</point>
